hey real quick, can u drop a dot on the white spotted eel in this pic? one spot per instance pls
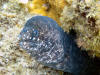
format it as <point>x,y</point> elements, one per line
<point>47,42</point>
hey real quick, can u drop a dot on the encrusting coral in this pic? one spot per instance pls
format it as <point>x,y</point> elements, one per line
<point>83,16</point>
<point>50,8</point>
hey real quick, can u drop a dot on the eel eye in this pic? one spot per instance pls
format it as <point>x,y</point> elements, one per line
<point>35,33</point>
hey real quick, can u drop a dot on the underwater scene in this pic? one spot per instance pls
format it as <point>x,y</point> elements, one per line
<point>49,37</point>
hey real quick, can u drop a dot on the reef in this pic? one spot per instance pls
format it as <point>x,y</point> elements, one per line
<point>82,16</point>
<point>14,60</point>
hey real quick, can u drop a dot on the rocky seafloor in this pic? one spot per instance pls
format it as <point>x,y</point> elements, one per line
<point>13,60</point>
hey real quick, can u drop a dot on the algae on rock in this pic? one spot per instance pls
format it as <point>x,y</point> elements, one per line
<point>83,16</point>
<point>14,60</point>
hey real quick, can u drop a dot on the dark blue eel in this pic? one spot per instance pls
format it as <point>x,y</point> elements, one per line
<point>47,42</point>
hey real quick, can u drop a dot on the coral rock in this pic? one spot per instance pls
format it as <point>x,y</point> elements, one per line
<point>83,17</point>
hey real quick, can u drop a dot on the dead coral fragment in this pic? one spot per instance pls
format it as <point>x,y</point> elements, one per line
<point>83,17</point>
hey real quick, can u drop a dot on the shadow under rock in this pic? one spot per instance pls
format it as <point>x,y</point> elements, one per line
<point>94,69</point>
<point>93,64</point>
